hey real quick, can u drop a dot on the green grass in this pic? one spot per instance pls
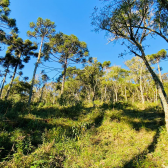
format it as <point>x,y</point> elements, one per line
<point>105,136</point>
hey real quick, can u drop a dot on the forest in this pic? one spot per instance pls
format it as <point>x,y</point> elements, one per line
<point>93,114</point>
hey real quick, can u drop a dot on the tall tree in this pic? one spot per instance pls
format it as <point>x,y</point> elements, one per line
<point>121,22</point>
<point>41,29</point>
<point>6,62</point>
<point>90,77</point>
<point>116,76</point>
<point>156,58</point>
<point>66,48</point>
<point>139,72</point>
<point>45,78</point>
<point>5,21</point>
<point>19,48</point>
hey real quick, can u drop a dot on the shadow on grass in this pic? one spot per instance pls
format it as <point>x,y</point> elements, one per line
<point>151,119</point>
<point>138,159</point>
<point>98,120</point>
<point>15,116</point>
<point>72,112</point>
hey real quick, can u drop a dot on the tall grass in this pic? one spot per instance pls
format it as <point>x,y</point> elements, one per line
<point>105,136</point>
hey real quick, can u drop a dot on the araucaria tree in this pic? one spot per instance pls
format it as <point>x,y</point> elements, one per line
<point>41,29</point>
<point>156,58</point>
<point>124,20</point>
<point>5,21</point>
<point>66,49</point>
<point>6,62</point>
<point>20,49</point>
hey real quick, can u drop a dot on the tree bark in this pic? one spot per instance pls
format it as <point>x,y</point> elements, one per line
<point>105,93</point>
<point>161,90</point>
<point>156,94</point>
<point>3,82</point>
<point>141,89</point>
<point>64,76</point>
<point>160,75</point>
<point>34,73</point>
<point>42,92</point>
<point>126,94</point>
<point>116,96</point>
<point>11,82</point>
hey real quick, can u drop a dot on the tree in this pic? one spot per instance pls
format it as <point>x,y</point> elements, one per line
<point>123,21</point>
<point>139,72</point>
<point>66,49</point>
<point>104,81</point>
<point>5,21</point>
<point>116,76</point>
<point>41,29</point>
<point>90,77</point>
<point>19,90</point>
<point>156,58</point>
<point>6,62</point>
<point>45,78</point>
<point>19,48</point>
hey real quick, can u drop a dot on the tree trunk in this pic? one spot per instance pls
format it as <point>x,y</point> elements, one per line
<point>116,96</point>
<point>126,94</point>
<point>64,76</point>
<point>160,75</point>
<point>105,93</point>
<point>161,90</point>
<point>141,89</point>
<point>34,73</point>
<point>156,95</point>
<point>3,82</point>
<point>11,82</point>
<point>93,98</point>
<point>42,92</point>
<point>133,100</point>
<point>101,95</point>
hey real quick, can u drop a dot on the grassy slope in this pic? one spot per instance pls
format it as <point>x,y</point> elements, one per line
<point>106,136</point>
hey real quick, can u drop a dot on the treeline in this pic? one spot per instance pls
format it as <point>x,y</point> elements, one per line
<point>95,82</point>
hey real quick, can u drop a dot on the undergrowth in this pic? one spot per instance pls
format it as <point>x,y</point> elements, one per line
<point>105,136</point>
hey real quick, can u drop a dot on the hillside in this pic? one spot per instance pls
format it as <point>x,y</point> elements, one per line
<point>107,135</point>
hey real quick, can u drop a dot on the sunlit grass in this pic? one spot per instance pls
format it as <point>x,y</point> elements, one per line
<point>105,137</point>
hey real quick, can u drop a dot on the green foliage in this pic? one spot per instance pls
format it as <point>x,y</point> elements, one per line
<point>42,28</point>
<point>4,13</point>
<point>156,58</point>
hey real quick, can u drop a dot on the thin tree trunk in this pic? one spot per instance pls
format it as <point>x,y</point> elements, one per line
<point>3,82</point>
<point>105,91</point>
<point>64,76</point>
<point>125,94</point>
<point>42,92</point>
<point>34,73</point>
<point>101,95</point>
<point>93,98</point>
<point>160,75</point>
<point>161,90</point>
<point>141,89</point>
<point>116,96</point>
<point>156,94</point>
<point>133,97</point>
<point>11,82</point>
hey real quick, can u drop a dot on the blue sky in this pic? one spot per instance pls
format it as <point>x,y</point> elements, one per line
<point>73,17</point>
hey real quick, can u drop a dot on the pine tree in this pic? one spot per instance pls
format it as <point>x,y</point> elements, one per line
<point>41,29</point>
<point>20,49</point>
<point>66,48</point>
